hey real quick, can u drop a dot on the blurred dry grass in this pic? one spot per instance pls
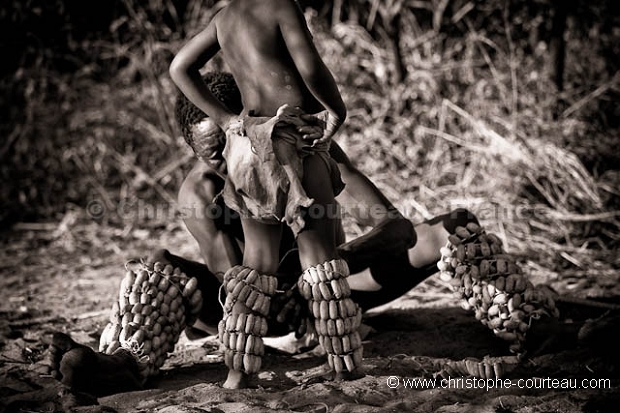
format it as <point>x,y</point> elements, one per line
<point>471,125</point>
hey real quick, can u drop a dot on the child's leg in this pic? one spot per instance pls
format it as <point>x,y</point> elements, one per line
<point>262,245</point>
<point>317,241</point>
<point>249,289</point>
<point>324,281</point>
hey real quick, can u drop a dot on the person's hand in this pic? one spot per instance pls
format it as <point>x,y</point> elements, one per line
<point>313,128</point>
<point>318,128</point>
<point>321,128</point>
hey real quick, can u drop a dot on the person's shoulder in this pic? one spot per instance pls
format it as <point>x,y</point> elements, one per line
<point>215,16</point>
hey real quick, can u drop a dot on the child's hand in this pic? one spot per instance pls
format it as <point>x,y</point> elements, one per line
<point>311,132</point>
<point>318,128</point>
<point>311,127</point>
<point>321,128</point>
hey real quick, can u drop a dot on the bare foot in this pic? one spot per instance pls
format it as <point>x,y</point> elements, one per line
<point>236,380</point>
<point>326,373</point>
<point>83,370</point>
<point>349,375</point>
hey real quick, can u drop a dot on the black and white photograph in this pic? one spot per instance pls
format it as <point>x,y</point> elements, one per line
<point>214,206</point>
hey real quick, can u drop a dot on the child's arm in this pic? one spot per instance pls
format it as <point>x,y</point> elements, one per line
<point>185,73</point>
<point>316,76</point>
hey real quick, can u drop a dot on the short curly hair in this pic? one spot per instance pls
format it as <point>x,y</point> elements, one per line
<point>223,87</point>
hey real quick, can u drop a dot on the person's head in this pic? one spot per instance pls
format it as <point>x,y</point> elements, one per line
<point>194,122</point>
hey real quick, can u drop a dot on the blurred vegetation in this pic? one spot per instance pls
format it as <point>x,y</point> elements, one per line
<point>451,103</point>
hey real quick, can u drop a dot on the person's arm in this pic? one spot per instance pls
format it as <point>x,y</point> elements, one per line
<point>316,76</point>
<point>185,73</point>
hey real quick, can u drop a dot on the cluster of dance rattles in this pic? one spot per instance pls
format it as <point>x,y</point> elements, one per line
<point>489,368</point>
<point>155,303</point>
<point>336,317</point>
<point>241,332</point>
<point>492,284</point>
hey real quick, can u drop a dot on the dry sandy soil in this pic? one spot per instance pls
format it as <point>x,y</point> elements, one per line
<point>50,283</point>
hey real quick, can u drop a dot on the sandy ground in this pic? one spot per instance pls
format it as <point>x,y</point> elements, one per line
<point>51,285</point>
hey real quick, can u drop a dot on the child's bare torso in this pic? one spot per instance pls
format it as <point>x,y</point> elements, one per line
<point>254,50</point>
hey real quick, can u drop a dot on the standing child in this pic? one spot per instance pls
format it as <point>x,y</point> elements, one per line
<point>278,167</point>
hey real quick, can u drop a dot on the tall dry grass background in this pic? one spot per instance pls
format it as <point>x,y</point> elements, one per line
<point>92,157</point>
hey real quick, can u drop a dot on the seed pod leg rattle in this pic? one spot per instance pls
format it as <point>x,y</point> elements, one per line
<point>492,284</point>
<point>241,331</point>
<point>155,303</point>
<point>336,317</point>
